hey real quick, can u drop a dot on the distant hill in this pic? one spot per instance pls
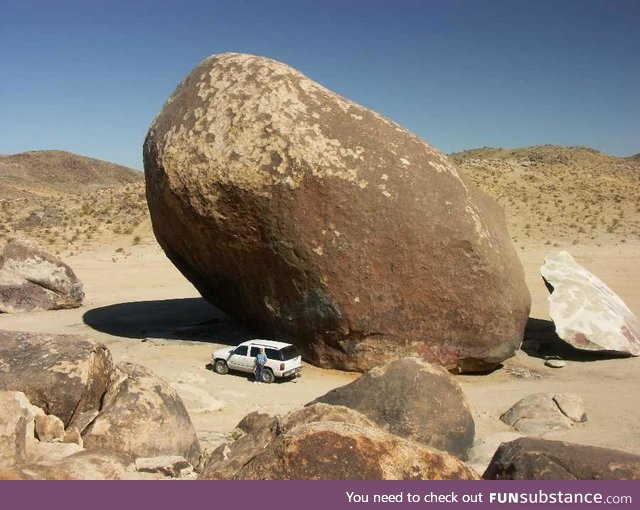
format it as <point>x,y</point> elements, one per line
<point>68,202</point>
<point>635,157</point>
<point>47,173</point>
<point>552,193</point>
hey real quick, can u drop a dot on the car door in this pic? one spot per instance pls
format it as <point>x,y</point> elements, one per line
<point>238,359</point>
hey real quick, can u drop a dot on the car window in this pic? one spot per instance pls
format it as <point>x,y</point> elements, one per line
<point>272,354</point>
<point>289,352</point>
<point>241,351</point>
<point>254,351</point>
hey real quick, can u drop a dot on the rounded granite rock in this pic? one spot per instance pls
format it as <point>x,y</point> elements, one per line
<point>322,223</point>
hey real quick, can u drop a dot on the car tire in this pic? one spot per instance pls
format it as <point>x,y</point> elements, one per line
<point>220,367</point>
<point>267,376</point>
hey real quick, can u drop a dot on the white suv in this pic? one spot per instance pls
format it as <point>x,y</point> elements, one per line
<point>283,360</point>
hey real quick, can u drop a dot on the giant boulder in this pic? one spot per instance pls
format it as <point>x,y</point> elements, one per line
<point>586,312</point>
<point>412,399</point>
<point>323,223</point>
<point>32,279</point>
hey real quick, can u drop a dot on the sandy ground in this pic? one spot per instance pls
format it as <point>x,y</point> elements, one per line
<point>146,312</point>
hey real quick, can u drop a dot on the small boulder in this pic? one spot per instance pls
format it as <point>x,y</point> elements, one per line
<point>173,466</point>
<point>540,459</point>
<point>66,375</point>
<point>484,448</point>
<point>587,313</point>
<point>258,431</point>
<point>33,279</point>
<point>541,413</point>
<point>49,428</point>
<point>333,450</point>
<point>555,363</point>
<point>143,416</point>
<point>571,406</point>
<point>16,427</point>
<point>412,399</point>
<point>83,465</point>
<point>73,436</point>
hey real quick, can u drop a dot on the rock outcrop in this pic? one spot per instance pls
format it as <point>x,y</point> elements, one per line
<point>67,413</point>
<point>143,416</point>
<point>16,427</point>
<point>587,313</point>
<point>82,465</point>
<point>323,223</point>
<point>412,399</point>
<point>540,459</point>
<point>541,413</point>
<point>331,450</point>
<point>65,375</point>
<point>32,279</point>
<point>258,431</point>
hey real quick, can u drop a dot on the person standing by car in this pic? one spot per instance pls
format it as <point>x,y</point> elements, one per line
<point>261,359</point>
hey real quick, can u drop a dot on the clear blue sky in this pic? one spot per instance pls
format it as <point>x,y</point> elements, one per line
<point>90,76</point>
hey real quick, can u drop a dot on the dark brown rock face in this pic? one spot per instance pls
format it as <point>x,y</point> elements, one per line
<point>412,399</point>
<point>325,224</point>
<point>260,430</point>
<point>540,459</point>
<point>66,375</point>
<point>142,416</point>
<point>32,279</point>
<point>331,450</point>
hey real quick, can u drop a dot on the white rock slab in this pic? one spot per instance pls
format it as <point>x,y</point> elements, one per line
<point>586,312</point>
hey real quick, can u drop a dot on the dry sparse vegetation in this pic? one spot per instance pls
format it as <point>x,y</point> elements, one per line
<point>69,203</point>
<point>551,194</point>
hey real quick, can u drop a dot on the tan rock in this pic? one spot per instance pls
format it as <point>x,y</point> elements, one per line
<point>73,436</point>
<point>49,428</point>
<point>13,429</point>
<point>68,375</point>
<point>83,465</point>
<point>541,413</point>
<point>143,416</point>
<point>33,279</point>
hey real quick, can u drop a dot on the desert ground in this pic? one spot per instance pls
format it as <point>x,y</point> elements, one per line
<point>145,311</point>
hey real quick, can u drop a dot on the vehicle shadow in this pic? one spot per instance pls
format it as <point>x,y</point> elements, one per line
<point>191,319</point>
